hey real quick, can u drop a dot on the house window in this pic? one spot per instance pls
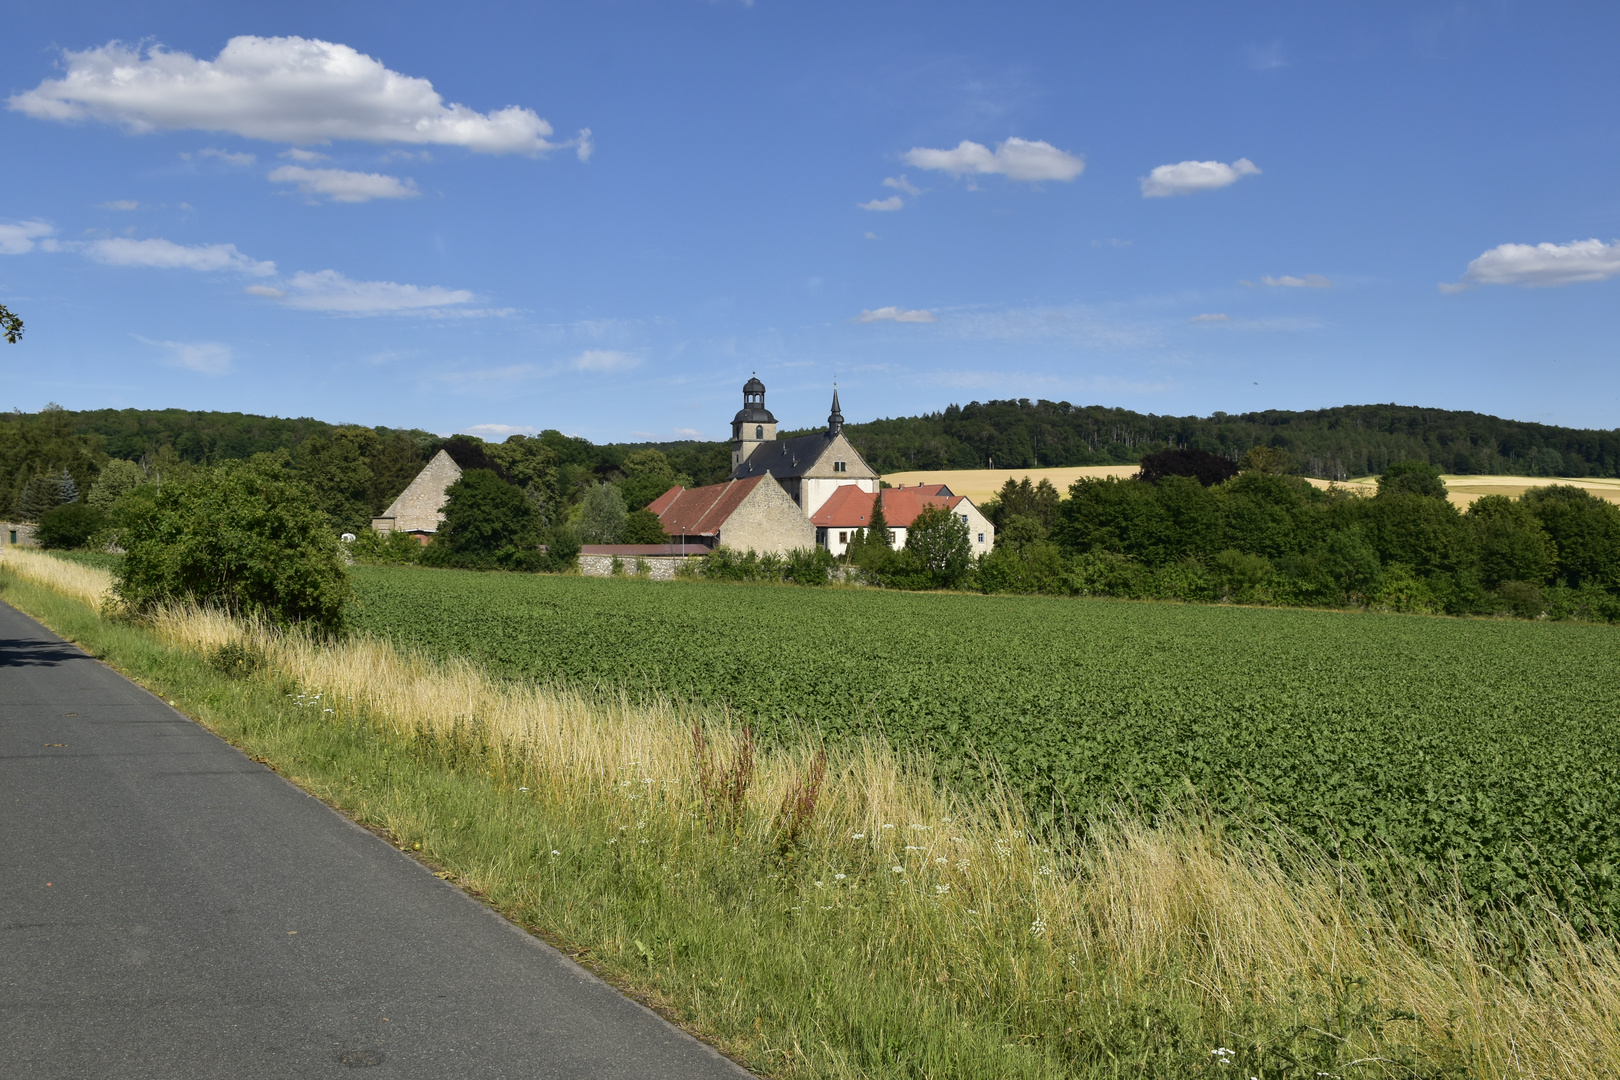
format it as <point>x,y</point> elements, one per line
<point>840,466</point>
<point>843,538</point>
<point>981,538</point>
<point>759,431</point>
<point>964,518</point>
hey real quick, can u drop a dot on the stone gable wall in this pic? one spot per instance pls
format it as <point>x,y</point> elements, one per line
<point>768,521</point>
<point>420,507</point>
<point>24,533</point>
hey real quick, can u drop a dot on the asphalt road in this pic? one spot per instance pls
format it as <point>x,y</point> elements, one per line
<point>169,908</point>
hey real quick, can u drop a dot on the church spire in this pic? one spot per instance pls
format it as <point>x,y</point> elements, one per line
<point>835,422</point>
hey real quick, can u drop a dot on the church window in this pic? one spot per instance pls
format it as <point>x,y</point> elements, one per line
<point>759,431</point>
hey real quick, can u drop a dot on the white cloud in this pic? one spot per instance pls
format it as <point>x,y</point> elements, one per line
<point>689,432</point>
<point>308,157</point>
<point>1541,265</point>
<point>1209,318</point>
<point>900,183</point>
<point>18,238</point>
<point>895,314</point>
<point>167,255</point>
<point>119,204</point>
<point>281,89</point>
<point>1187,177</point>
<point>871,235</point>
<point>341,185</point>
<point>265,290</point>
<point>207,357</point>
<point>1016,159</point>
<point>499,432</point>
<point>604,360</point>
<point>1289,281</point>
<point>229,157</point>
<point>893,202</point>
<point>328,290</point>
<point>584,147</point>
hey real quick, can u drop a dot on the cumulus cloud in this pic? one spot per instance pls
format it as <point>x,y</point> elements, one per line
<point>341,185</point>
<point>298,153</point>
<point>1187,177</point>
<point>167,255</point>
<point>328,290</point>
<point>900,183</point>
<point>1209,318</point>
<point>119,204</point>
<point>893,202</point>
<point>584,147</point>
<point>229,157</point>
<point>604,360</point>
<point>895,314</point>
<point>207,357</point>
<point>1016,159</point>
<point>17,238</point>
<point>280,89</point>
<point>1542,265</point>
<point>1289,281</point>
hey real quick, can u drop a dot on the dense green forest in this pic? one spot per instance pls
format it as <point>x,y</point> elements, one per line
<point>1334,444</point>
<point>356,470</point>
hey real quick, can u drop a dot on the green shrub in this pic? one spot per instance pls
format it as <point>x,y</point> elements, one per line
<point>241,537</point>
<point>643,527</point>
<point>385,548</point>
<point>71,525</point>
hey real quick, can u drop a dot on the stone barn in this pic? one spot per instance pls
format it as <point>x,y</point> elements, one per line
<point>420,507</point>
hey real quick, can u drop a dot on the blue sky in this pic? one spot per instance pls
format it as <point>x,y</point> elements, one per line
<point>601,217</point>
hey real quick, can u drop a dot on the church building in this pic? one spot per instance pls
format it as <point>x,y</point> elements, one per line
<point>810,467</point>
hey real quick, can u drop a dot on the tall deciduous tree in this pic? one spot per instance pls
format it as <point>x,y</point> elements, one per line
<point>487,523</point>
<point>11,325</point>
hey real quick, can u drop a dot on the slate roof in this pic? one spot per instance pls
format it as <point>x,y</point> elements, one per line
<point>784,458</point>
<point>851,508</point>
<point>701,511</point>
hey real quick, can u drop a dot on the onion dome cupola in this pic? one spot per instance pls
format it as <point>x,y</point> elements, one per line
<point>753,423</point>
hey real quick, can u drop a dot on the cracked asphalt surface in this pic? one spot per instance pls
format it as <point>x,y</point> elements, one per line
<point>170,908</point>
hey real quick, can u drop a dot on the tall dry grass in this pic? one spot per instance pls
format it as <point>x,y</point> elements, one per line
<point>1245,935</point>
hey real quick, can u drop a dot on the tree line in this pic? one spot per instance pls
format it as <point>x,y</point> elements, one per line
<point>1332,444</point>
<point>1193,526</point>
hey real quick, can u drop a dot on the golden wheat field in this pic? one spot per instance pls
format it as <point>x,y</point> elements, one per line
<point>982,484</point>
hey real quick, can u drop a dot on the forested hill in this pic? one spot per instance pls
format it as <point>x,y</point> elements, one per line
<point>1352,440</point>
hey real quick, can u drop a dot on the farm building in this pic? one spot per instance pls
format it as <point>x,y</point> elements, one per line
<point>420,507</point>
<point>753,513</point>
<point>850,508</point>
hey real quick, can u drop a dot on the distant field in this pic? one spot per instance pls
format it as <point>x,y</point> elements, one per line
<point>1491,744</point>
<point>981,484</point>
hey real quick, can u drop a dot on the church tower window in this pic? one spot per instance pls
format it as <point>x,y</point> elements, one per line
<point>759,431</point>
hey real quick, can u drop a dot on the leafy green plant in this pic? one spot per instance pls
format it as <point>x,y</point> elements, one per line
<point>241,537</point>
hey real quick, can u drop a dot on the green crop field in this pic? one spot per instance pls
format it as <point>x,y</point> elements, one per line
<point>1488,746</point>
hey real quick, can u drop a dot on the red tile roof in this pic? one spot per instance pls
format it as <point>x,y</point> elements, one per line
<point>701,511</point>
<point>851,508</point>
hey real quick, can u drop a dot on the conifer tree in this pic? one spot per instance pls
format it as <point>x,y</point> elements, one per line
<point>878,527</point>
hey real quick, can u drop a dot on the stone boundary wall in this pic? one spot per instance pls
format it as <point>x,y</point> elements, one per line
<point>659,567</point>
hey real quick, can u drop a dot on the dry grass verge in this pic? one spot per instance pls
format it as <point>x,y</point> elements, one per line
<point>839,917</point>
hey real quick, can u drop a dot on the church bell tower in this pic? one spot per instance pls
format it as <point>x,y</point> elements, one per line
<point>753,423</point>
